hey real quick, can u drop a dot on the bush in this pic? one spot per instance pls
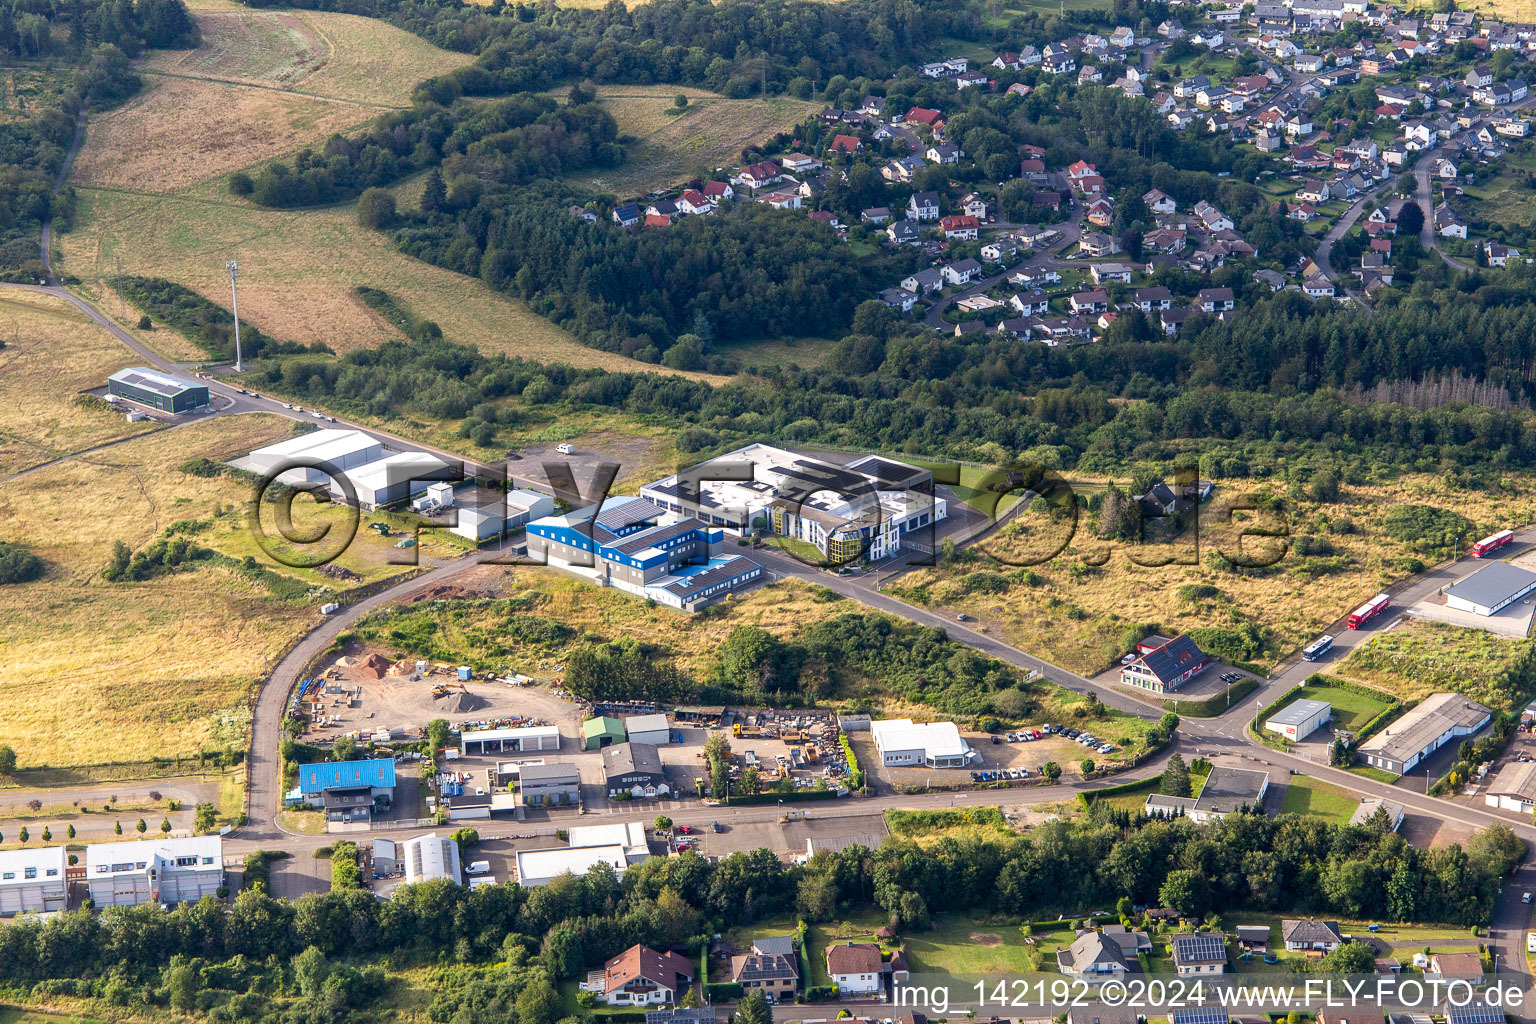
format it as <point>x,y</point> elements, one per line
<point>376,209</point>
<point>18,565</point>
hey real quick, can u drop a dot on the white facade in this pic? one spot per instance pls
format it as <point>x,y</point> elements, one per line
<point>1300,719</point>
<point>524,506</point>
<point>32,880</point>
<point>540,867</point>
<point>394,477</point>
<point>650,729</point>
<point>477,524</point>
<point>154,870</point>
<point>935,745</point>
<point>337,449</point>
<point>523,740</point>
<point>429,857</point>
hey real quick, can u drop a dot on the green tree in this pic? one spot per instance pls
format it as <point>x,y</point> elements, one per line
<point>753,1009</point>
<point>117,826</point>
<point>1051,770</point>
<point>142,826</point>
<point>538,1002</point>
<point>205,818</point>
<point>47,834</point>
<point>181,985</point>
<point>662,822</point>
<point>1188,892</point>
<point>1349,958</point>
<point>24,835</point>
<point>439,734</point>
<point>70,832</point>
<point>310,969</point>
<point>376,208</point>
<point>747,654</point>
<point>344,748</point>
<point>1175,781</point>
<point>680,101</point>
<point>434,193</point>
<point>751,782</point>
<point>165,826</point>
<point>7,759</point>
<point>1087,765</point>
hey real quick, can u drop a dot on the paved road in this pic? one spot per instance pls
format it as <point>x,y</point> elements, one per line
<point>1341,228</point>
<point>1424,196</point>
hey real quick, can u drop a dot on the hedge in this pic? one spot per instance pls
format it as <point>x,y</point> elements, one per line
<point>1087,797</point>
<point>787,798</point>
<point>1256,726</point>
<point>1217,703</point>
<point>725,990</point>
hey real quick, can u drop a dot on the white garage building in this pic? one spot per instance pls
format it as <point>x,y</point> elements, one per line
<point>523,740</point>
<point>1300,718</point>
<point>1513,788</point>
<point>540,867</point>
<point>1493,587</point>
<point>524,506</point>
<point>32,880</point>
<point>650,729</point>
<point>902,742</point>
<point>154,870</point>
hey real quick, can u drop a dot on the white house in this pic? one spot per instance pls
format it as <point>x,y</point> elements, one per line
<point>32,880</point>
<point>855,968</point>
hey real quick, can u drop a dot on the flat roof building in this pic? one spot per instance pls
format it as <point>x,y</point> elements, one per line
<point>540,867</point>
<point>630,835</point>
<point>1300,718</point>
<point>1437,720</point>
<point>395,477</point>
<point>933,744</point>
<point>335,449</point>
<point>541,785</point>
<point>1368,808</point>
<point>154,871</point>
<point>158,390</point>
<point>1225,790</point>
<point>1489,590</point>
<point>32,881</point>
<point>524,740</point>
<point>429,858</point>
<point>857,512</point>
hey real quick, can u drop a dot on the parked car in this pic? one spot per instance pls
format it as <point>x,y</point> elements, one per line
<point>1128,659</point>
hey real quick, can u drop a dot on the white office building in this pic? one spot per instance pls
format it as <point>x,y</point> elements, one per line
<point>902,742</point>
<point>857,512</point>
<point>154,870</point>
<point>428,858</point>
<point>32,880</point>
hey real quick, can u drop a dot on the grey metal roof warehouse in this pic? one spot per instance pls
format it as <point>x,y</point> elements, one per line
<point>1226,789</point>
<point>1420,728</point>
<point>1493,586</point>
<point>1298,712</point>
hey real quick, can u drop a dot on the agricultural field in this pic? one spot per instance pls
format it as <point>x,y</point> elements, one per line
<point>136,670</point>
<point>1304,795</point>
<point>672,148</point>
<point>52,353</point>
<point>1417,658</point>
<point>1082,616</point>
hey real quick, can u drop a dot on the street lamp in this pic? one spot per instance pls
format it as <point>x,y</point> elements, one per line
<point>234,293</point>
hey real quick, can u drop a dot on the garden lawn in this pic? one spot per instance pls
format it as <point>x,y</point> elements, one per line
<point>1351,709</point>
<point>1304,795</point>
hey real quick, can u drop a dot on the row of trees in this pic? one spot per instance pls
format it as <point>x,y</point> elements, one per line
<point>501,948</point>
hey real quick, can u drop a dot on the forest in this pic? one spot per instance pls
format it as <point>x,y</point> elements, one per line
<point>494,954</point>
<point>32,150</point>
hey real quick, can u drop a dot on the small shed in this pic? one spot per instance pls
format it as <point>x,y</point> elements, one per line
<point>597,733</point>
<point>1253,936</point>
<point>385,861</point>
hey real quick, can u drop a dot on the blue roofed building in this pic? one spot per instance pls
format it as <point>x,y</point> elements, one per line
<point>348,791</point>
<point>638,547</point>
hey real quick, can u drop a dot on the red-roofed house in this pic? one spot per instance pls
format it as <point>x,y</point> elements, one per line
<point>964,227</point>
<point>760,174</point>
<point>922,115</point>
<point>718,190</point>
<point>640,976</point>
<point>846,144</point>
<point>1080,169</point>
<point>657,220</point>
<point>695,203</point>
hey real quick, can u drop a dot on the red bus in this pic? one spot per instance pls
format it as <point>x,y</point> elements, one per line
<point>1368,611</point>
<point>1489,545</point>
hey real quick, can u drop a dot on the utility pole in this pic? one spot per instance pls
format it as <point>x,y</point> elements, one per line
<point>234,292</point>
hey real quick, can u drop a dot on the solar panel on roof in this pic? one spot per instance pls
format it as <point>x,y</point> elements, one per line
<point>1199,1015</point>
<point>1202,948</point>
<point>1474,1013</point>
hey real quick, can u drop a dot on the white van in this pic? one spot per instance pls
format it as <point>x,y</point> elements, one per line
<point>564,449</point>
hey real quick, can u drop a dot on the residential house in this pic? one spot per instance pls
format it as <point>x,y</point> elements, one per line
<point>760,175</point>
<point>1200,953</point>
<point>640,976</point>
<point>1499,255</point>
<point>961,271</point>
<point>923,206</point>
<point>943,154</point>
<point>1179,660</point>
<point>1214,300</point>
<point>1093,956</point>
<point>1149,300</point>
<point>962,226</point>
<point>903,232</point>
<point>1309,934</point>
<point>855,968</point>
<point>848,144</point>
<point>1212,218</point>
<point>923,281</point>
<point>1160,202</point>
<point>1096,301</point>
<point>898,298</point>
<point>627,215</point>
<point>776,975</point>
<point>1103,273</point>
<point>695,203</point>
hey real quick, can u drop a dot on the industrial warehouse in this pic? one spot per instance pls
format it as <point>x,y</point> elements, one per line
<point>157,390</point>
<point>1491,589</point>
<point>857,512</point>
<point>1437,720</point>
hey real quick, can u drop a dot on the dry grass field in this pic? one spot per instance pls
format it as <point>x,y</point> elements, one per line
<point>298,271</point>
<point>1075,613</point>
<point>212,127</point>
<point>52,353</point>
<point>336,56</point>
<point>127,671</point>
<point>671,148</point>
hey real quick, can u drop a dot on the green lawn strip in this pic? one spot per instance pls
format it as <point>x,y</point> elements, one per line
<point>1305,795</point>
